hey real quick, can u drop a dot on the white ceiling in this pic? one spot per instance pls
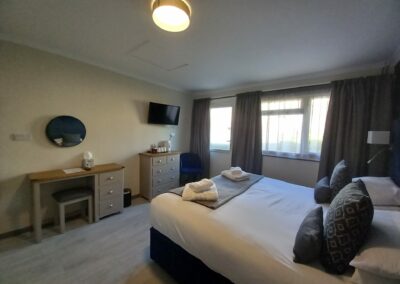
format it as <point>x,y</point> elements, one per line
<point>229,42</point>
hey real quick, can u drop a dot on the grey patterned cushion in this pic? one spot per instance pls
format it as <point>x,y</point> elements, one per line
<point>322,191</point>
<point>346,226</point>
<point>308,244</point>
<point>340,178</point>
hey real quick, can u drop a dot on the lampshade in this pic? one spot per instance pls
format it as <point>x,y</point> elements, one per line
<point>171,15</point>
<point>378,137</point>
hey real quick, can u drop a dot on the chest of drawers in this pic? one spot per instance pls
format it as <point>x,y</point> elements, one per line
<point>158,173</point>
<point>111,193</point>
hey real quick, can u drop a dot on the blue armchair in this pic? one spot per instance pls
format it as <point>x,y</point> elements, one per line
<point>190,168</point>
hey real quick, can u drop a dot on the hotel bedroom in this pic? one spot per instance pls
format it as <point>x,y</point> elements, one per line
<point>188,141</point>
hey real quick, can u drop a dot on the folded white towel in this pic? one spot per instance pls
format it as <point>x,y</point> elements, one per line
<point>201,186</point>
<point>229,175</point>
<point>209,195</point>
<point>236,171</point>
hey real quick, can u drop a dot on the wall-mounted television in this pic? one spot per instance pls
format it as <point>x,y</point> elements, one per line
<point>163,114</point>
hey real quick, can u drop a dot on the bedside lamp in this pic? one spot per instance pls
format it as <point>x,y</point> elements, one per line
<point>378,138</point>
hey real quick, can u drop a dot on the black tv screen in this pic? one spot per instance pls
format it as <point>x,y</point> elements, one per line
<point>163,114</point>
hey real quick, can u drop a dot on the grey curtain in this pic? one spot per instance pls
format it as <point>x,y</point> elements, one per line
<point>200,133</point>
<point>356,106</point>
<point>246,136</point>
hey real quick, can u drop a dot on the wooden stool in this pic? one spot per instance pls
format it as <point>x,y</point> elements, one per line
<point>71,196</point>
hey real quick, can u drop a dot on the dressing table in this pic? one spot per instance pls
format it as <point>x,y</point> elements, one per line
<point>108,184</point>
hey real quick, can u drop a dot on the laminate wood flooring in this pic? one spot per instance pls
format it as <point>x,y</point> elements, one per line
<point>114,250</point>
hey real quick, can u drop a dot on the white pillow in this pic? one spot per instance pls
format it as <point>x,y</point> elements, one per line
<point>380,254</point>
<point>382,190</point>
<point>362,277</point>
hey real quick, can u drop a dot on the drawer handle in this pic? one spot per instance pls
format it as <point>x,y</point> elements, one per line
<point>159,161</point>
<point>110,191</point>
<point>110,178</point>
<point>110,205</point>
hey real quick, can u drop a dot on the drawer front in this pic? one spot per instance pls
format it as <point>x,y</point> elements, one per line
<point>160,189</point>
<point>164,188</point>
<point>110,206</point>
<point>111,191</point>
<point>173,168</point>
<point>167,169</point>
<point>174,184</point>
<point>111,177</point>
<point>172,159</point>
<point>161,180</point>
<point>158,161</point>
<point>159,170</point>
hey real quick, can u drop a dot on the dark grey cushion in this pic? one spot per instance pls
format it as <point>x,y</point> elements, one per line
<point>346,226</point>
<point>71,194</point>
<point>322,191</point>
<point>340,178</point>
<point>308,244</point>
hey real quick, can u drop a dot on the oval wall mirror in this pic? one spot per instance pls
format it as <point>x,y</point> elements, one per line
<point>65,131</point>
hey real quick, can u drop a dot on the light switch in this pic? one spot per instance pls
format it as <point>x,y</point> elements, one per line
<point>21,137</point>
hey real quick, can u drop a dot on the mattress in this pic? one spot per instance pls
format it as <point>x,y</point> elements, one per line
<point>248,240</point>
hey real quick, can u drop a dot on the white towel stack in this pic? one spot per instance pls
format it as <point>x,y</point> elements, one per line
<point>235,174</point>
<point>200,190</point>
<point>201,186</point>
<point>236,171</point>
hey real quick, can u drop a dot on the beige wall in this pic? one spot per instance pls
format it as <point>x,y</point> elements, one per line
<point>36,86</point>
<point>290,170</point>
<point>295,171</point>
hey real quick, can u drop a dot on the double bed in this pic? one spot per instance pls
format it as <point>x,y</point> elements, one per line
<point>248,240</point>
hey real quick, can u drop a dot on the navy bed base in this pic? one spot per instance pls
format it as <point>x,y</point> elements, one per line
<point>395,159</point>
<point>181,265</point>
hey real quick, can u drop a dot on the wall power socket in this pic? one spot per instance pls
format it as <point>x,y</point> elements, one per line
<point>21,137</point>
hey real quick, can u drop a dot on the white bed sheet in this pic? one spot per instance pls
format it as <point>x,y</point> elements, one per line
<point>249,239</point>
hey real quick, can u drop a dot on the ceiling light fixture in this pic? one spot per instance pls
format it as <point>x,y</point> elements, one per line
<point>171,15</point>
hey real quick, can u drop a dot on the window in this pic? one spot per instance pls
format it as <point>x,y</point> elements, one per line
<point>293,122</point>
<point>220,128</point>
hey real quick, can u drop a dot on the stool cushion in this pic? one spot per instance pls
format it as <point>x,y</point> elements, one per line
<point>72,193</point>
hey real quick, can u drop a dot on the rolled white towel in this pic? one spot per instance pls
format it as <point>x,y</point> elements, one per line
<point>229,175</point>
<point>209,195</point>
<point>236,171</point>
<point>202,185</point>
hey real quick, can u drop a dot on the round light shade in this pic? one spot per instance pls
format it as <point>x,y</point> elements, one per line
<point>171,15</point>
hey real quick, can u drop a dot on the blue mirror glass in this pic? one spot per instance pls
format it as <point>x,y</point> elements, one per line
<point>65,131</point>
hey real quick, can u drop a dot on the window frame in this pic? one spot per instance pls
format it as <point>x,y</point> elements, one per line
<point>223,103</point>
<point>305,110</point>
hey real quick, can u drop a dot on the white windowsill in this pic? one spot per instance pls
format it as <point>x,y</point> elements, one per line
<point>220,151</point>
<point>300,158</point>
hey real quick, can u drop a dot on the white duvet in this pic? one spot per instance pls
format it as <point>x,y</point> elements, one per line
<point>248,240</point>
